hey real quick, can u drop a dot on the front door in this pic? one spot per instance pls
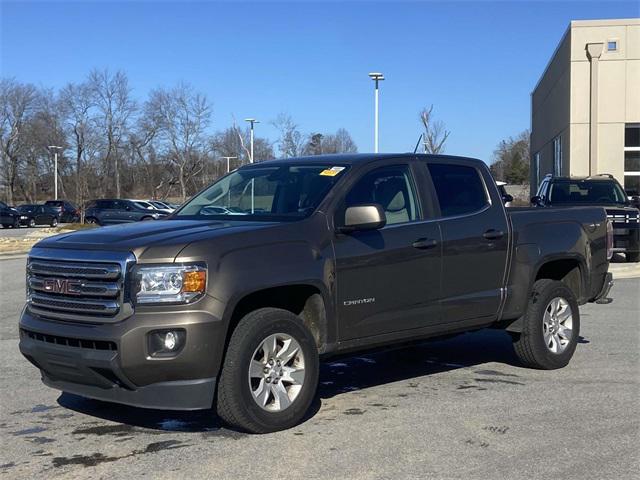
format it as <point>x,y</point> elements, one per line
<point>388,280</point>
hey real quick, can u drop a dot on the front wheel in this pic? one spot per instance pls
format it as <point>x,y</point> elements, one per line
<point>270,372</point>
<point>54,222</point>
<point>551,326</point>
<point>32,223</point>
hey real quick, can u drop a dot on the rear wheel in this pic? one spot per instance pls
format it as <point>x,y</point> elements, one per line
<point>633,257</point>
<point>270,373</point>
<point>551,325</point>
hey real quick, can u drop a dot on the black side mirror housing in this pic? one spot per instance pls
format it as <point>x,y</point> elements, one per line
<point>506,198</point>
<point>363,217</point>
<point>536,200</point>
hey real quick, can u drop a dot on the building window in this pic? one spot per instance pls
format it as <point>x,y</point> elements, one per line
<point>632,159</point>
<point>612,45</point>
<point>557,156</point>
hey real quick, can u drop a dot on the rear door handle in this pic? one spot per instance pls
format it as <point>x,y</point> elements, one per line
<point>424,243</point>
<point>493,234</point>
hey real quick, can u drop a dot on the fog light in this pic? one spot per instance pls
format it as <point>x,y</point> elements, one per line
<point>166,343</point>
<point>170,341</point>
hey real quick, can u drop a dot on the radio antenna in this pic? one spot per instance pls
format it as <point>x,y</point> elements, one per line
<point>415,150</point>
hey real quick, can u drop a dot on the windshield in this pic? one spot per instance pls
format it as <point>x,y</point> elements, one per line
<point>145,205</point>
<point>26,208</point>
<point>586,191</point>
<point>270,193</point>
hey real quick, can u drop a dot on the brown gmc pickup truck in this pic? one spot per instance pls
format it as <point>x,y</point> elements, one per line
<point>231,301</point>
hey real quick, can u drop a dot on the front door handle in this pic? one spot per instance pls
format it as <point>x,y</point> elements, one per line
<point>493,234</point>
<point>424,243</point>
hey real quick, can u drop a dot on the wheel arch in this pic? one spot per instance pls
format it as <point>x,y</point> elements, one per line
<point>307,300</point>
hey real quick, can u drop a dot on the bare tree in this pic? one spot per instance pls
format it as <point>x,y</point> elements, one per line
<point>291,142</point>
<point>17,103</point>
<point>112,97</point>
<point>435,134</point>
<point>76,104</point>
<point>183,116</point>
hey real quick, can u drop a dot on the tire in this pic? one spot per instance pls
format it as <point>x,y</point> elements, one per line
<point>6,225</point>
<point>236,404</point>
<point>144,219</point>
<point>532,346</point>
<point>633,257</point>
<point>91,220</point>
<point>32,223</point>
<point>54,222</point>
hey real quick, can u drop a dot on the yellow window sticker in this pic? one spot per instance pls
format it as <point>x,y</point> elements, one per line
<point>331,172</point>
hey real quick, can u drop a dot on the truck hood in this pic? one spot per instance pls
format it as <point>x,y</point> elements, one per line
<point>170,236</point>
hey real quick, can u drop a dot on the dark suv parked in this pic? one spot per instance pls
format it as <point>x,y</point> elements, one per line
<point>111,211</point>
<point>67,211</point>
<point>32,215</point>
<point>602,190</point>
<point>8,216</point>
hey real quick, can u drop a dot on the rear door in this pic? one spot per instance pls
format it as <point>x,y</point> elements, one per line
<point>474,240</point>
<point>388,280</point>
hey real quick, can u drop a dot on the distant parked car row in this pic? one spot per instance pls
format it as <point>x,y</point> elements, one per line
<point>112,211</point>
<point>30,215</point>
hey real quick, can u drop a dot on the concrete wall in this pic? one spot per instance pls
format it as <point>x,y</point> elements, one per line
<point>618,92</point>
<point>550,104</point>
<point>560,103</point>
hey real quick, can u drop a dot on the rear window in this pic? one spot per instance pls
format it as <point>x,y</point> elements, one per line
<point>459,188</point>
<point>586,192</point>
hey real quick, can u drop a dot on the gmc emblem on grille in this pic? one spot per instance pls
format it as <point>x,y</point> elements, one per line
<point>63,285</point>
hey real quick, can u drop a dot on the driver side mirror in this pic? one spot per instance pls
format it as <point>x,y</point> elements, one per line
<point>536,200</point>
<point>635,201</point>
<point>506,198</point>
<point>363,217</point>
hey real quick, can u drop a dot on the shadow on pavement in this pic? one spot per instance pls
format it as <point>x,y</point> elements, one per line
<point>338,375</point>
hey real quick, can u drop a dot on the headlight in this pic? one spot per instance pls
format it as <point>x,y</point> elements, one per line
<point>170,283</point>
<point>23,217</point>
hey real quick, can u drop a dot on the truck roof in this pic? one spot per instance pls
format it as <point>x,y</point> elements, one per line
<point>357,158</point>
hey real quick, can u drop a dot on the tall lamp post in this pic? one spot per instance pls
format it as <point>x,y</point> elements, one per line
<point>55,148</point>
<point>376,77</point>
<point>228,162</point>
<point>251,121</point>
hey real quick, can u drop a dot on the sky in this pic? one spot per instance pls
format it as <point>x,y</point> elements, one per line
<point>476,62</point>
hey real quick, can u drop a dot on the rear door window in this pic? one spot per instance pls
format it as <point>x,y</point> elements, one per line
<point>459,188</point>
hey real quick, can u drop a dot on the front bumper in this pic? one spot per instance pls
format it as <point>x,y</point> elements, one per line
<point>626,238</point>
<point>111,362</point>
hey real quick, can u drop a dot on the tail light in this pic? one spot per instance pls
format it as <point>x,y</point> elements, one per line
<point>609,240</point>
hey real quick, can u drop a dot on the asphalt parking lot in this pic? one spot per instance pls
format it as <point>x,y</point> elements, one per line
<point>460,408</point>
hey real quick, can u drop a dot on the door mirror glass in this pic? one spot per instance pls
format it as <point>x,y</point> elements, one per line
<point>363,217</point>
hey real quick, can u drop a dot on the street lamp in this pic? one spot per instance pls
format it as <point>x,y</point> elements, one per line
<point>376,77</point>
<point>251,121</point>
<point>55,169</point>
<point>228,159</point>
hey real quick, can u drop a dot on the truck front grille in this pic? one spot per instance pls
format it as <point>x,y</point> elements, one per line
<point>623,218</point>
<point>75,290</point>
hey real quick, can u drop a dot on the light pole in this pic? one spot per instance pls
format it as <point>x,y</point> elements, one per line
<point>376,77</point>
<point>55,170</point>
<point>228,159</point>
<point>251,121</point>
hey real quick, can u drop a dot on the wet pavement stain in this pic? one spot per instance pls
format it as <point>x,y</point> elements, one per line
<point>40,440</point>
<point>354,411</point>
<point>29,431</point>
<point>495,380</point>
<point>84,460</point>
<point>115,430</point>
<point>98,458</point>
